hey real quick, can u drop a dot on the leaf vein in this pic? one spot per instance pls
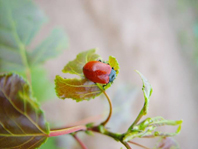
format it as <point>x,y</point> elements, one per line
<point>5,128</point>
<point>23,143</point>
<point>17,109</point>
<point>36,142</point>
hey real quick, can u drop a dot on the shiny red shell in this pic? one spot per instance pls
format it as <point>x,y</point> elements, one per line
<point>97,72</point>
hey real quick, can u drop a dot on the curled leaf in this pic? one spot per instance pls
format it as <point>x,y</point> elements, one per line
<point>147,90</point>
<point>22,123</point>
<point>77,89</point>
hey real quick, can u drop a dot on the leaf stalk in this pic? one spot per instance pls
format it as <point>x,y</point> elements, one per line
<point>110,109</point>
<point>64,131</point>
<point>79,141</point>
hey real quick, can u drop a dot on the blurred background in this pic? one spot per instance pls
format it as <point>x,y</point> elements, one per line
<point>158,38</point>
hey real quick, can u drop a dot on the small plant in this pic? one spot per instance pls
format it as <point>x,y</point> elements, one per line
<point>22,122</point>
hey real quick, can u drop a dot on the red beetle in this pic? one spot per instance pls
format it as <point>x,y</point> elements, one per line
<point>99,72</point>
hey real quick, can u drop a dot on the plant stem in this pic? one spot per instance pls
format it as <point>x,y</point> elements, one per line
<point>138,118</point>
<point>64,131</point>
<point>126,145</point>
<point>118,137</point>
<point>138,145</point>
<point>80,142</point>
<point>110,109</point>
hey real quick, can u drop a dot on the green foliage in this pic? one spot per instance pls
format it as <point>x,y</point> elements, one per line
<point>77,89</point>
<point>147,90</point>
<point>50,144</point>
<point>114,63</point>
<point>147,128</point>
<point>22,123</point>
<point>49,48</point>
<point>81,89</point>
<point>43,88</point>
<point>19,22</point>
<point>76,66</point>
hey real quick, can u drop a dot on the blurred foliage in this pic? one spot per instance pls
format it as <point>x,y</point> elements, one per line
<point>188,32</point>
<point>22,121</point>
<point>20,21</point>
<point>50,144</point>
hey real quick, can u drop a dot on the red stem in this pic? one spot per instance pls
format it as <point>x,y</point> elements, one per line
<point>138,144</point>
<point>64,131</point>
<point>80,142</point>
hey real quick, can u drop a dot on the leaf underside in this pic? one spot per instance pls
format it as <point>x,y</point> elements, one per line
<point>77,89</point>
<point>22,123</point>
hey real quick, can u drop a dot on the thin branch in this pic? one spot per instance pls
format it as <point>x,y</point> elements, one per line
<point>137,144</point>
<point>110,109</point>
<point>126,145</point>
<point>80,142</point>
<point>64,131</point>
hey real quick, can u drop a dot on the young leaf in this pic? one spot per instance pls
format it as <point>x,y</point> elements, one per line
<point>81,89</point>
<point>147,90</point>
<point>76,66</point>
<point>77,89</point>
<point>22,123</point>
<point>114,63</point>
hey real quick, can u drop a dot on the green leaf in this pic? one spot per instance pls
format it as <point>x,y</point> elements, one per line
<point>77,89</point>
<point>49,48</point>
<point>19,22</point>
<point>42,86</point>
<point>114,63</point>
<point>147,90</point>
<point>76,66</point>
<point>81,89</point>
<point>147,128</point>
<point>22,123</point>
<point>50,144</point>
